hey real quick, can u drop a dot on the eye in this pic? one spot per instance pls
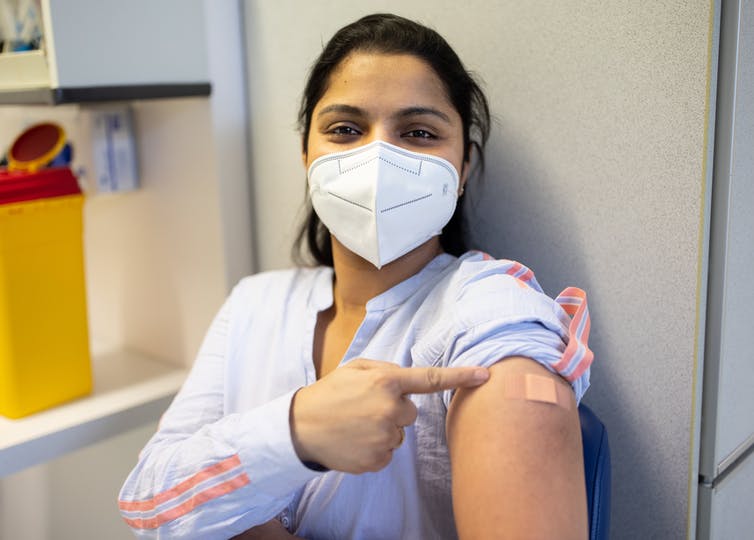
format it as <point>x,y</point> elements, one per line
<point>343,131</point>
<point>420,134</point>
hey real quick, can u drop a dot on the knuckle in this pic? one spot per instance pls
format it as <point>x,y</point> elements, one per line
<point>380,460</point>
<point>382,440</point>
<point>369,464</point>
<point>413,412</point>
<point>366,462</point>
<point>386,381</point>
<point>408,411</point>
<point>358,363</point>
<point>434,378</point>
<point>390,410</point>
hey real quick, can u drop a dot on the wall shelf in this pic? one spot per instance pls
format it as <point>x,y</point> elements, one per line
<point>130,390</point>
<point>98,94</point>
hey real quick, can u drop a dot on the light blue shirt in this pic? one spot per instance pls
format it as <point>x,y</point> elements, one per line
<point>223,461</point>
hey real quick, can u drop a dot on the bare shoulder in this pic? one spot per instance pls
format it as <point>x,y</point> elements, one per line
<point>521,457</point>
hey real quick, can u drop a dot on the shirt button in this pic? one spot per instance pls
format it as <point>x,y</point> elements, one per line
<point>285,521</point>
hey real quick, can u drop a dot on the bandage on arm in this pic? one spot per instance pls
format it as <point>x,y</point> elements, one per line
<point>532,387</point>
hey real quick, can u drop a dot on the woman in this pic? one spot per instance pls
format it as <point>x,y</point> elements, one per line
<point>339,401</point>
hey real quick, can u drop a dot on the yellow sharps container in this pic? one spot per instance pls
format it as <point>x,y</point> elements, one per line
<point>44,345</point>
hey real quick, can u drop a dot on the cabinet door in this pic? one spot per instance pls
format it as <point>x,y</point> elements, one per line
<point>114,42</point>
<point>728,428</point>
<point>725,509</point>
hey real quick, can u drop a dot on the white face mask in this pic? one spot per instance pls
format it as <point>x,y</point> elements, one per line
<point>380,200</point>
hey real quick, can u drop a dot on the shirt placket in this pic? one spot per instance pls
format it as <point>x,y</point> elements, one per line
<point>363,336</point>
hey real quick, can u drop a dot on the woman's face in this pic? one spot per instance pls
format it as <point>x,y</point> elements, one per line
<point>396,98</point>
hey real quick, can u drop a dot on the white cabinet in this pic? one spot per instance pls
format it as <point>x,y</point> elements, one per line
<point>104,50</point>
<point>726,471</point>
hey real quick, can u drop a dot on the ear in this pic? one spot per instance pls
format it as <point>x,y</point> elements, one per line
<point>464,176</point>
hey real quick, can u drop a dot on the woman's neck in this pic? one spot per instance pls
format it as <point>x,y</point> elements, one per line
<point>357,281</point>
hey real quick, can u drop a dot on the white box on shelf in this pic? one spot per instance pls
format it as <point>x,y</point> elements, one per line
<point>114,149</point>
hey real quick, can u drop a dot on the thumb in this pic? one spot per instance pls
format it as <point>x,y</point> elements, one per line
<point>434,379</point>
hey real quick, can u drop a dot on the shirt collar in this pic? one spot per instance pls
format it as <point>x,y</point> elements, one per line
<point>322,298</point>
<point>402,291</point>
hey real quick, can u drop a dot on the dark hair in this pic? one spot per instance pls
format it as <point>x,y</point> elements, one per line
<point>391,34</point>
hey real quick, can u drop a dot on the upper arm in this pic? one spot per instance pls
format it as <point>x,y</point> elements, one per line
<point>517,465</point>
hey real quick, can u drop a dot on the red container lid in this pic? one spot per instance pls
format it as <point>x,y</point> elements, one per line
<point>36,147</point>
<point>42,184</point>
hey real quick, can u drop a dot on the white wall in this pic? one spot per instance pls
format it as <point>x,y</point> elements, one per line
<point>159,262</point>
<point>597,176</point>
<point>73,497</point>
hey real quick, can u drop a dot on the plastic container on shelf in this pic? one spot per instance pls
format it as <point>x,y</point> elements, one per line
<point>44,344</point>
<point>39,146</point>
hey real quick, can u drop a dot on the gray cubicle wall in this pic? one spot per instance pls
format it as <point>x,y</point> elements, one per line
<point>597,175</point>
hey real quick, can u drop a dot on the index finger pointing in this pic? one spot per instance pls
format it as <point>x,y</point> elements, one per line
<point>434,379</point>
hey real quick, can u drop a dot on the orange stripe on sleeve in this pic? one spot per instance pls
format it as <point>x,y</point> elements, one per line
<point>190,504</point>
<point>165,496</point>
<point>578,334</point>
<point>574,342</point>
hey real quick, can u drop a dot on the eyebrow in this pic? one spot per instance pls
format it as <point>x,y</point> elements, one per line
<point>339,108</point>
<point>417,111</point>
<point>402,113</point>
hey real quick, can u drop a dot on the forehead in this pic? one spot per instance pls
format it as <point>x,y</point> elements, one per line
<point>374,80</point>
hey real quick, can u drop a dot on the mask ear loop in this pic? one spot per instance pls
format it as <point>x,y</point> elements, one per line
<point>461,183</point>
<point>464,174</point>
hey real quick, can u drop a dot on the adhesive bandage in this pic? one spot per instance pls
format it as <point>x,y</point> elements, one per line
<point>532,387</point>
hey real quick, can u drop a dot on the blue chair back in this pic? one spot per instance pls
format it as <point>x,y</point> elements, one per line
<point>597,473</point>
